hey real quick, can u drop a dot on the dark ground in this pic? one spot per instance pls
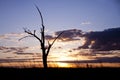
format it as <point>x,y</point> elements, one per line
<point>60,74</point>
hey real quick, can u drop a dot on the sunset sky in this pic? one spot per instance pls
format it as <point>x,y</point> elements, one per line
<point>73,16</point>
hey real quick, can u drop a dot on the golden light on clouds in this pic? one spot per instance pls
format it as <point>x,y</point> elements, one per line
<point>64,53</point>
<point>82,41</point>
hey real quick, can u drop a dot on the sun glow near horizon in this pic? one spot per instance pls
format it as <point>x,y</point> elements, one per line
<point>64,53</point>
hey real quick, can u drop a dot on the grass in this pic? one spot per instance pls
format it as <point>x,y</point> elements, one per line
<point>59,73</point>
<point>32,64</point>
<point>79,71</point>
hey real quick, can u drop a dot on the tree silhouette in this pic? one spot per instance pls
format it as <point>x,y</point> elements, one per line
<point>45,49</point>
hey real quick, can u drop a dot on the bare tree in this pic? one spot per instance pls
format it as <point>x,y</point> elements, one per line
<point>45,51</point>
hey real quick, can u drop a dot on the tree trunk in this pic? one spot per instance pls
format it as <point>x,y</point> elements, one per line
<point>44,61</point>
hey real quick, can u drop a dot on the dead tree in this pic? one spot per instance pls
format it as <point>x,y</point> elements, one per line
<point>45,51</point>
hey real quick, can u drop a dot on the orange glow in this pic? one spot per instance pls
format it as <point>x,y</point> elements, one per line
<point>63,64</point>
<point>92,42</point>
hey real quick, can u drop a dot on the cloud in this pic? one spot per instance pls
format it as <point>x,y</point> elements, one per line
<point>108,59</point>
<point>16,50</point>
<point>86,23</point>
<point>4,37</point>
<point>49,37</point>
<point>11,39</point>
<point>11,35</point>
<point>68,35</point>
<point>108,39</point>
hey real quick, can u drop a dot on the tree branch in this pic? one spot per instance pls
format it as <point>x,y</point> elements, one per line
<point>57,37</point>
<point>50,45</point>
<point>40,15</point>
<point>25,37</point>
<point>33,34</point>
<point>42,29</point>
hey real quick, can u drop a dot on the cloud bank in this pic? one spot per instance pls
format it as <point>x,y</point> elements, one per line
<point>16,50</point>
<point>108,39</point>
<point>68,35</point>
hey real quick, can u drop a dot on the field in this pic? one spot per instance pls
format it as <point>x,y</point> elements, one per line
<point>59,70</point>
<point>62,64</point>
<point>59,73</point>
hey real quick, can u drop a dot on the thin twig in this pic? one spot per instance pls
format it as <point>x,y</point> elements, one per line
<point>25,37</point>
<point>40,15</point>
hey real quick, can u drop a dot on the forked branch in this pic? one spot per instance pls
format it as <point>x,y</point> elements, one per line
<point>30,34</point>
<point>50,45</point>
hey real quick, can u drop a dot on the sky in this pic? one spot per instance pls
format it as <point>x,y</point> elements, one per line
<point>58,15</point>
<point>72,16</point>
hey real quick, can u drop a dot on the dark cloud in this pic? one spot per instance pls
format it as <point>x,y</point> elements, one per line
<point>3,48</point>
<point>108,59</point>
<point>69,35</point>
<point>97,60</point>
<point>49,37</point>
<point>12,49</point>
<point>15,60</point>
<point>108,39</point>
